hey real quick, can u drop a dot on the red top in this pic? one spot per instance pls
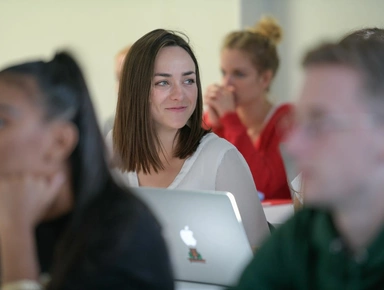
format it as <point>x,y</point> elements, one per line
<point>263,156</point>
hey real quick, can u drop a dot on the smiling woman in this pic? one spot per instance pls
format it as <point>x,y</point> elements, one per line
<point>158,140</point>
<point>174,95</point>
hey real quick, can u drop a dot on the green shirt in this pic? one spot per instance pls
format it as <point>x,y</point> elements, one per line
<point>307,253</point>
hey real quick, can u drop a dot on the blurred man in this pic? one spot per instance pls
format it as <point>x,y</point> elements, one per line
<point>337,241</point>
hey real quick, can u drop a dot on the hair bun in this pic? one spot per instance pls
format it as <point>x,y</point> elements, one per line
<point>269,27</point>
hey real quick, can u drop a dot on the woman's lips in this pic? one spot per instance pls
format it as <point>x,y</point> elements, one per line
<point>177,109</point>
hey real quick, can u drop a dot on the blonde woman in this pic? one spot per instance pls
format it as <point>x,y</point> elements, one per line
<point>240,111</point>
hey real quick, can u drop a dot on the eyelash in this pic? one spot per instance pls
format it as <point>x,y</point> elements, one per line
<point>239,74</point>
<point>160,83</point>
<point>190,81</point>
<point>163,83</point>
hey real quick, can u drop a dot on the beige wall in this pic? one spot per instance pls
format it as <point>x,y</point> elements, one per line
<point>97,29</point>
<point>305,24</point>
<point>311,22</point>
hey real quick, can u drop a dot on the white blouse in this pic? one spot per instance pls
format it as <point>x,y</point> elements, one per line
<point>217,165</point>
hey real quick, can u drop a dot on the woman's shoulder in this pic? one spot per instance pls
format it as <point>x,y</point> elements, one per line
<point>279,121</point>
<point>286,107</point>
<point>281,111</point>
<point>213,147</point>
<point>215,143</point>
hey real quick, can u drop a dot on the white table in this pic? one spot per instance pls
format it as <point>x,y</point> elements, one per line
<point>277,212</point>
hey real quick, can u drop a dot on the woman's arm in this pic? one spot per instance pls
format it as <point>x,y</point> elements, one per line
<point>234,176</point>
<point>24,200</point>
<point>18,254</point>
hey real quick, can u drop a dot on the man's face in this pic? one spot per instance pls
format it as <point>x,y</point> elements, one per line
<point>334,141</point>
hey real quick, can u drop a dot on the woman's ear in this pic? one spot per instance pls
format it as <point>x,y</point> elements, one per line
<point>266,79</point>
<point>64,138</point>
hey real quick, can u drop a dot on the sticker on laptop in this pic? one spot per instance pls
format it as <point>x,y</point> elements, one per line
<point>187,236</point>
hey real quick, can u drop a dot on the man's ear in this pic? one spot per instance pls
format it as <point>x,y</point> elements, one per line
<point>63,140</point>
<point>266,79</point>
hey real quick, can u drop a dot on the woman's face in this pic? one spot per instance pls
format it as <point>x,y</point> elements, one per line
<point>174,90</point>
<point>239,73</point>
<point>24,137</point>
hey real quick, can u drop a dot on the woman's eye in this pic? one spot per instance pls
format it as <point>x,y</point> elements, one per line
<point>239,74</point>
<point>161,83</point>
<point>189,81</point>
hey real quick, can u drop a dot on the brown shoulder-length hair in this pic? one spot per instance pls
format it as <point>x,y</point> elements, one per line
<point>134,136</point>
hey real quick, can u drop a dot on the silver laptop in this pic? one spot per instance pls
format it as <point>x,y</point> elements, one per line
<point>204,233</point>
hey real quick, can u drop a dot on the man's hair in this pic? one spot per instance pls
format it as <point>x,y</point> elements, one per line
<point>365,57</point>
<point>372,33</point>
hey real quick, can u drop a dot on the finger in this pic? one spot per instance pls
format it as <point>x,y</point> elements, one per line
<point>207,96</point>
<point>220,90</point>
<point>212,114</point>
<point>230,89</point>
<point>210,88</point>
<point>214,104</point>
<point>217,93</point>
<point>211,93</point>
<point>210,97</point>
<point>216,88</point>
<point>214,111</point>
<point>210,102</point>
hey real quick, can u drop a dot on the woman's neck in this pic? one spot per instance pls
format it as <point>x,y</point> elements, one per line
<point>253,114</point>
<point>171,165</point>
<point>168,140</point>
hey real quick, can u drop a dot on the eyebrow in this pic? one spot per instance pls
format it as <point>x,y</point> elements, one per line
<point>169,75</point>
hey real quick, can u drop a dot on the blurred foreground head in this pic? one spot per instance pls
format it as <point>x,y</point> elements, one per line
<point>339,135</point>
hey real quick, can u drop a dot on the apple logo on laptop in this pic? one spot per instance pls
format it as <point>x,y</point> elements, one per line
<point>187,237</point>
